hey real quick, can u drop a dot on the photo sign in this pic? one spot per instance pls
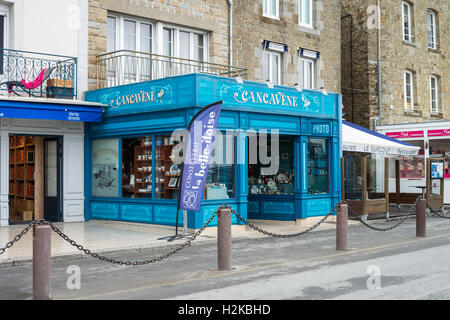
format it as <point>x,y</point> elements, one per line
<point>202,131</point>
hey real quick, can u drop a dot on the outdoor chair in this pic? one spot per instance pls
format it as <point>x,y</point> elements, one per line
<point>27,87</point>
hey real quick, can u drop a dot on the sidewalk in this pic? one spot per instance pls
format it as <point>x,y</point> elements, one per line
<point>111,237</point>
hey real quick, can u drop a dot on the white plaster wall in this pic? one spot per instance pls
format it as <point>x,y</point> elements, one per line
<point>73,162</point>
<point>58,27</point>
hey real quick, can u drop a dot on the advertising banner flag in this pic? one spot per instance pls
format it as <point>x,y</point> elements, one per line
<point>197,155</point>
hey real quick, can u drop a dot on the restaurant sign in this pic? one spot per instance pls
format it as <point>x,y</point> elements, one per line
<point>406,134</point>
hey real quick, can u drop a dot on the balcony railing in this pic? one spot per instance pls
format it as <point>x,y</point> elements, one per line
<point>25,73</point>
<point>124,67</point>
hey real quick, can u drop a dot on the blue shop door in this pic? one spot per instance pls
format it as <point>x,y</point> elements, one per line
<point>52,179</point>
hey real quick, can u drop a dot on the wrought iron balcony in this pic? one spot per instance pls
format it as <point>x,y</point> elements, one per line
<point>124,67</point>
<point>25,73</point>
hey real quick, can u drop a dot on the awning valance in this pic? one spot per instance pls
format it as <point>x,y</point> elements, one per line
<point>46,109</point>
<point>359,139</point>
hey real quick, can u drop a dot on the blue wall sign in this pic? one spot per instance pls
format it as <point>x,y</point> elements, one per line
<point>321,129</point>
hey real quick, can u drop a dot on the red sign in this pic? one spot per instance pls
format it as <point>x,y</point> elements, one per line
<point>405,134</point>
<point>439,133</point>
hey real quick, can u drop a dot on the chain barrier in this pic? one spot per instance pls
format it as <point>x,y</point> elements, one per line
<point>438,214</point>
<point>402,220</point>
<point>18,237</point>
<point>100,257</point>
<point>275,235</point>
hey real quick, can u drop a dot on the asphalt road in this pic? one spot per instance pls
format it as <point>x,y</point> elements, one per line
<point>378,265</point>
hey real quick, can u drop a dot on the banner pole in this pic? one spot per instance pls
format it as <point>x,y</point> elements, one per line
<point>184,222</point>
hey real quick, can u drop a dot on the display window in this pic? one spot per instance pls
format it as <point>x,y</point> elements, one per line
<point>140,172</point>
<point>413,167</point>
<point>221,174</point>
<point>318,166</point>
<point>137,167</point>
<point>282,181</point>
<point>375,175</point>
<point>167,173</point>
<point>105,164</point>
<point>353,176</point>
<point>441,147</point>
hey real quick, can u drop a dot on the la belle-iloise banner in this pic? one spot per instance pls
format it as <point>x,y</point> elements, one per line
<point>197,155</point>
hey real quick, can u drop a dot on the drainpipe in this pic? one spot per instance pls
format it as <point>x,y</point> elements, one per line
<point>379,69</point>
<point>230,54</point>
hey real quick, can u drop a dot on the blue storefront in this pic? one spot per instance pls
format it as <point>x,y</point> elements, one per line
<point>130,174</point>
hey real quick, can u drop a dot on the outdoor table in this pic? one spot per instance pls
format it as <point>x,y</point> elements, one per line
<point>423,189</point>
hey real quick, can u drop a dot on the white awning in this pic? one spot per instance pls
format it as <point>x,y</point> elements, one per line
<point>359,139</point>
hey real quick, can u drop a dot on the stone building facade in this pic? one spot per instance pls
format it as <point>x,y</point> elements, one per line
<point>209,18</point>
<point>252,29</point>
<point>409,61</point>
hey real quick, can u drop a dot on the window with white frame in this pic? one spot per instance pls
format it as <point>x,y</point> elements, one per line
<point>407,21</point>
<point>408,88</point>
<point>111,34</point>
<point>271,67</point>
<point>305,13</point>
<point>4,16</point>
<point>434,94</point>
<point>139,36</point>
<point>307,73</point>
<point>431,17</point>
<point>129,34</point>
<point>271,8</point>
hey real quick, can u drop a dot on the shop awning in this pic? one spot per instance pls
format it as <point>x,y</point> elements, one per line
<point>50,109</point>
<point>359,139</point>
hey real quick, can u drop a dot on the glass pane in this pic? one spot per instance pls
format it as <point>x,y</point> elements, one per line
<point>185,45</point>
<point>220,179</point>
<point>280,183</point>
<point>375,176</point>
<point>266,62</point>
<point>198,47</point>
<point>412,169</point>
<point>434,106</point>
<point>301,73</point>
<point>441,146</point>
<point>168,42</point>
<point>146,38</point>
<point>167,174</point>
<point>406,26</point>
<point>105,164</point>
<point>352,176</point>
<point>111,34</point>
<point>130,35</point>
<point>317,166</point>
<point>137,167</point>
<point>306,11</point>
<point>308,75</point>
<point>275,69</point>
<point>273,7</point>
<point>51,169</point>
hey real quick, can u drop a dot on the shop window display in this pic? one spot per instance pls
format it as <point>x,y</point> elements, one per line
<point>441,147</point>
<point>167,173</point>
<point>221,176</point>
<point>317,166</point>
<point>105,164</point>
<point>281,183</point>
<point>413,167</point>
<point>137,167</point>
